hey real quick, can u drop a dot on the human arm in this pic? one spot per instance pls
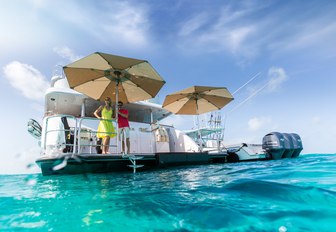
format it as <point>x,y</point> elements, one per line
<point>96,113</point>
<point>123,114</point>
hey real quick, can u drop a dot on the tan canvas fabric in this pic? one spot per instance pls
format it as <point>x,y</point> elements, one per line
<point>95,76</point>
<point>197,100</point>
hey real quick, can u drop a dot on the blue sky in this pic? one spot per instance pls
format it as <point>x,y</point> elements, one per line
<point>288,45</point>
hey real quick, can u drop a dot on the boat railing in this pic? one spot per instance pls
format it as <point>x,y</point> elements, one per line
<point>92,134</point>
<point>79,137</point>
<point>64,129</point>
<point>74,139</point>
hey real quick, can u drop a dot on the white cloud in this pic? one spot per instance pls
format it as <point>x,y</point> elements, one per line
<point>66,53</point>
<point>276,77</point>
<point>316,119</point>
<point>28,80</point>
<point>246,30</point>
<point>193,24</point>
<point>128,23</point>
<point>181,122</point>
<point>119,24</point>
<point>309,35</point>
<point>224,30</point>
<point>111,22</point>
<point>255,124</point>
<point>237,38</point>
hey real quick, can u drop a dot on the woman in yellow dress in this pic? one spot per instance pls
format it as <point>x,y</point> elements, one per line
<point>105,127</point>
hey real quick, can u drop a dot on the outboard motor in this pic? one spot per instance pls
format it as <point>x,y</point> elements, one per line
<point>297,142</point>
<point>289,146</point>
<point>274,145</point>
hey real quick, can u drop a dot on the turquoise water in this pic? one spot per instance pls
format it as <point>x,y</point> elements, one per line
<point>284,195</point>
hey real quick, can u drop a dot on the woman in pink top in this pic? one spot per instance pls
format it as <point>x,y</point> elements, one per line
<point>124,128</point>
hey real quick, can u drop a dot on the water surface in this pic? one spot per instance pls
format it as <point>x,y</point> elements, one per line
<point>282,195</point>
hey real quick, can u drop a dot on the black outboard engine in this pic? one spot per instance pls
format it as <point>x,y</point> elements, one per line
<point>297,145</point>
<point>289,146</point>
<point>274,144</point>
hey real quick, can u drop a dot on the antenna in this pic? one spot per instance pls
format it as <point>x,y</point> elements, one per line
<point>58,70</point>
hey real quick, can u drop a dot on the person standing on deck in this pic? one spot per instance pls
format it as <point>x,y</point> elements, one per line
<point>124,129</point>
<point>106,129</point>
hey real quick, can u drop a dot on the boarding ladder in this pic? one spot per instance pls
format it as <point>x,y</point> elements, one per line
<point>133,160</point>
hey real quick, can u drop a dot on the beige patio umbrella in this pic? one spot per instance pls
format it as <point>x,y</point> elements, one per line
<point>102,75</point>
<point>197,100</point>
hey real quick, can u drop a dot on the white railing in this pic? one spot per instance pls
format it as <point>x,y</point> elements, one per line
<point>75,144</point>
<point>59,131</point>
<point>78,138</point>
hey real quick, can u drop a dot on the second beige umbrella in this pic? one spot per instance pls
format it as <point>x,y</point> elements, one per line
<point>197,100</point>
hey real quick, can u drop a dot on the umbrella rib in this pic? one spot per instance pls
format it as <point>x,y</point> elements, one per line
<point>131,83</point>
<point>218,107</point>
<point>138,79</point>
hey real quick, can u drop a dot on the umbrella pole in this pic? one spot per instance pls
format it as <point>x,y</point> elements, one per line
<point>116,110</point>
<point>198,128</point>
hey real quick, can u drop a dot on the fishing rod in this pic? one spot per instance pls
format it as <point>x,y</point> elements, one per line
<point>243,102</point>
<point>254,77</point>
<point>249,97</point>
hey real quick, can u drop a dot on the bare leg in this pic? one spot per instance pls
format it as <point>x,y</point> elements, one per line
<point>106,143</point>
<point>128,145</point>
<point>104,147</point>
<point>122,139</point>
<point>123,145</point>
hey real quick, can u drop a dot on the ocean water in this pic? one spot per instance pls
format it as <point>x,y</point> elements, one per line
<point>282,195</point>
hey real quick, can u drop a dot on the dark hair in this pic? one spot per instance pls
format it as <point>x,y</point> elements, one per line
<point>109,100</point>
<point>120,103</point>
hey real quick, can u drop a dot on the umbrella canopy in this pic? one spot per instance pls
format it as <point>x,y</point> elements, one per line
<point>102,75</point>
<point>197,100</point>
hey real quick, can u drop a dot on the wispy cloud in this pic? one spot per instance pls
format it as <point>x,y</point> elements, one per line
<point>193,24</point>
<point>111,22</point>
<point>225,29</point>
<point>316,119</point>
<point>247,30</point>
<point>257,123</point>
<point>66,53</point>
<point>277,76</point>
<point>26,79</point>
<point>128,23</point>
<point>182,122</point>
<point>219,39</point>
<point>309,35</point>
